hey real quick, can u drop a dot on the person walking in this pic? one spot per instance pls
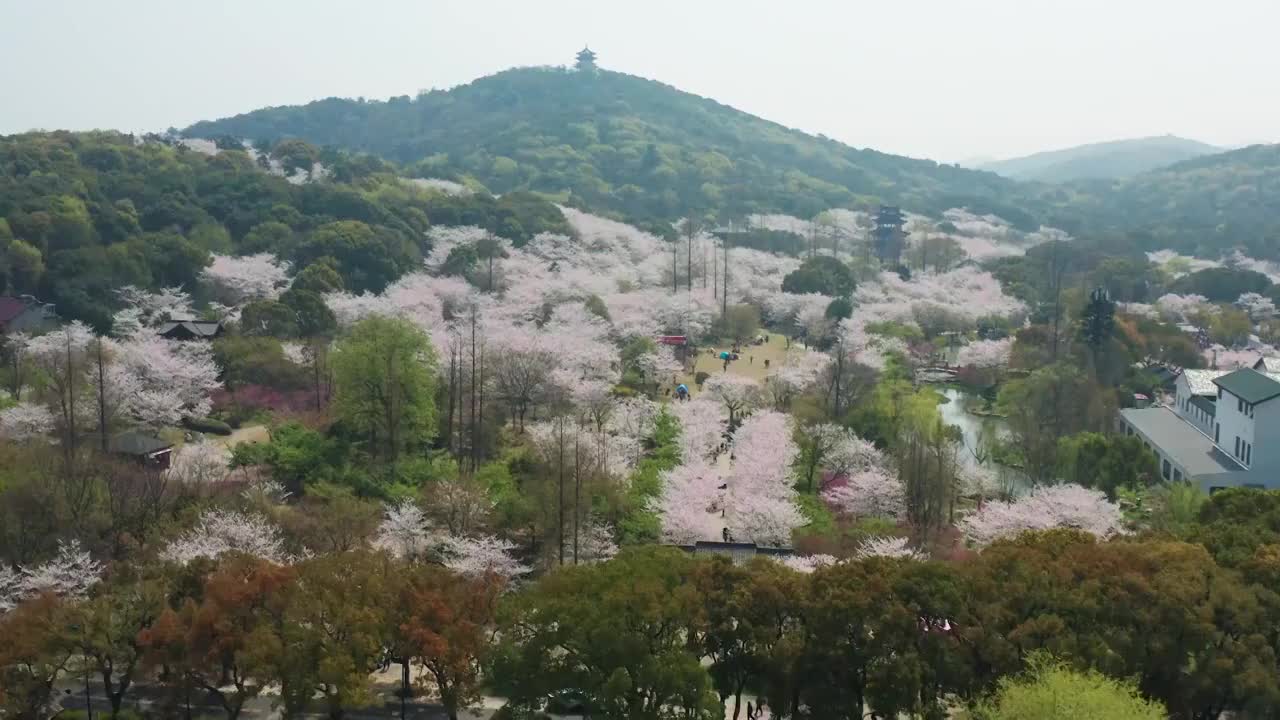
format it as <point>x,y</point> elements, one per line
<point>751,713</point>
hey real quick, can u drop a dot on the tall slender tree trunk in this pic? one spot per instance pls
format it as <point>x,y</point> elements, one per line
<point>724,306</point>
<point>102,398</point>
<point>448,423</point>
<point>577,488</point>
<point>689,262</point>
<point>475,460</point>
<point>560,494</point>
<point>470,450</point>
<point>675,267</point>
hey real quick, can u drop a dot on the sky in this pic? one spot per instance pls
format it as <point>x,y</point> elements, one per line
<point>951,80</point>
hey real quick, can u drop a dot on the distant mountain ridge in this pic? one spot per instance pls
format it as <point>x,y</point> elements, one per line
<point>1105,160</point>
<point>648,153</point>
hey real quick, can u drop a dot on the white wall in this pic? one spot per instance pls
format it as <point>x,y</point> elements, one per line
<point>1266,434</point>
<point>1232,424</point>
<point>1192,414</point>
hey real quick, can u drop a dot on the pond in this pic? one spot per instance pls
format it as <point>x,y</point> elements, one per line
<point>973,429</point>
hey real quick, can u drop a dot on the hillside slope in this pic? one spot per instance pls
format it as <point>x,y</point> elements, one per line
<point>644,151</point>
<point>624,144</point>
<point>1202,206</point>
<point>1115,159</point>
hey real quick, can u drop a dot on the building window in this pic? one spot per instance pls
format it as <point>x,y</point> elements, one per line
<point>1236,452</point>
<point>1248,453</point>
<point>1164,469</point>
<point>1177,475</point>
<point>1217,427</point>
<point>1240,404</point>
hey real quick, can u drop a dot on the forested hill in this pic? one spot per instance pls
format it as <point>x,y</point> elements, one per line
<point>84,214</point>
<point>626,145</point>
<point>1204,206</point>
<point>1115,159</point>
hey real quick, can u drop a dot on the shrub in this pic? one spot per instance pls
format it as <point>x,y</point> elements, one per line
<point>207,425</point>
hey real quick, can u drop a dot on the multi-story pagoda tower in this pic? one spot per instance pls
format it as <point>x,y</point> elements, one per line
<point>586,60</point>
<point>889,236</point>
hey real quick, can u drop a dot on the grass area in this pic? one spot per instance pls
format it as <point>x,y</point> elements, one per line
<point>246,434</point>
<point>750,362</point>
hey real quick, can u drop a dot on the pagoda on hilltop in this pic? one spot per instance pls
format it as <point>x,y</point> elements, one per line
<point>586,60</point>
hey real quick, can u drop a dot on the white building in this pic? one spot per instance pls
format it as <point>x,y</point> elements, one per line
<point>1196,396</point>
<point>1230,438</point>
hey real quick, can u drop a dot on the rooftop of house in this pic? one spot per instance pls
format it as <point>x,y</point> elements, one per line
<point>1249,385</point>
<point>1184,444</point>
<point>207,328</point>
<point>1201,381</point>
<point>10,308</point>
<point>1206,404</point>
<point>1268,364</point>
<point>131,443</point>
<point>735,548</point>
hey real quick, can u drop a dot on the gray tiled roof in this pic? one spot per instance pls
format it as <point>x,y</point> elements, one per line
<point>1201,381</point>
<point>1249,385</point>
<point>1179,440</point>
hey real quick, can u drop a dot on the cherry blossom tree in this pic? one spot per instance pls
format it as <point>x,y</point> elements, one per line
<point>760,504</point>
<point>985,354</point>
<point>737,393</point>
<point>145,310</point>
<point>405,532</point>
<point>871,492</point>
<point>690,504</point>
<point>70,574</point>
<point>199,463</point>
<point>173,378</point>
<point>1043,508</point>
<point>890,547</point>
<point>222,531</point>
<point>808,563</point>
<point>25,421</point>
<point>1181,308</point>
<point>703,422</point>
<point>63,355</point>
<point>1258,306</point>
<point>238,280</point>
<point>482,555</point>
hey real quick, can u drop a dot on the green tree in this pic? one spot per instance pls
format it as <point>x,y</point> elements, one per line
<point>614,631</point>
<point>311,314</point>
<point>1047,405</point>
<point>271,318</point>
<point>271,236</point>
<point>385,375</point>
<point>318,277</point>
<point>25,266</point>
<point>742,322</point>
<point>1050,690</point>
<point>822,274</point>
<point>1107,462</point>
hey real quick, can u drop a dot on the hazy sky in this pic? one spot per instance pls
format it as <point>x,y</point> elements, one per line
<point>946,79</point>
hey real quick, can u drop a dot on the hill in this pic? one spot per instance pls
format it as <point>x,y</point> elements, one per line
<point>626,145</point>
<point>645,151</point>
<point>1115,159</point>
<point>84,214</point>
<point>1203,206</point>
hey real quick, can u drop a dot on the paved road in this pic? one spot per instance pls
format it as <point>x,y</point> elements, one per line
<point>143,698</point>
